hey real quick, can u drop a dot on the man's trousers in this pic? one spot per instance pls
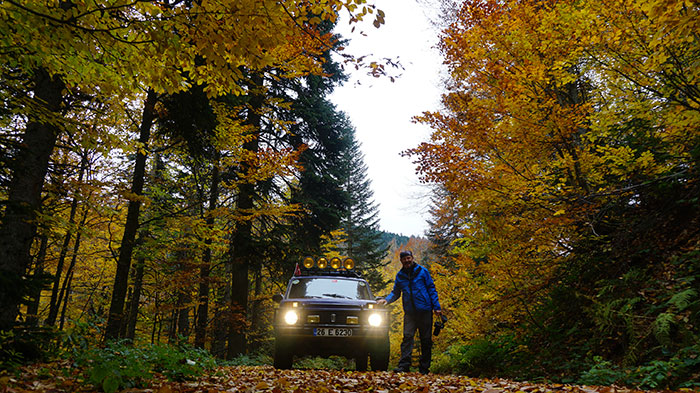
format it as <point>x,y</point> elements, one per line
<point>423,322</point>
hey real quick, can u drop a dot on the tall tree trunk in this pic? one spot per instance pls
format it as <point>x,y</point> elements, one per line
<point>121,279</point>
<point>65,289</point>
<point>241,242</point>
<point>65,300</point>
<point>134,305</point>
<point>183,315</point>
<point>239,305</point>
<point>255,312</point>
<point>125,320</point>
<point>156,319</point>
<point>172,327</point>
<point>200,334</point>
<point>33,306</point>
<point>18,226</point>
<point>55,301</point>
<point>135,300</point>
<point>222,318</point>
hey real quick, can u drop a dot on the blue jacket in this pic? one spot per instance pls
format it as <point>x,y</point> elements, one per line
<point>418,290</point>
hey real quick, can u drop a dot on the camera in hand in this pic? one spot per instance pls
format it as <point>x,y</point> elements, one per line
<point>439,324</point>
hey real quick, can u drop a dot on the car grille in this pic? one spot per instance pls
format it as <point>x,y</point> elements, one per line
<point>330,316</point>
<point>322,306</point>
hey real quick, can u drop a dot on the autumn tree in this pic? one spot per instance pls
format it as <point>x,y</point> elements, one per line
<point>119,52</point>
<point>559,140</point>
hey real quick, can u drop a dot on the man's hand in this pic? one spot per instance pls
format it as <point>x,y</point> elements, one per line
<point>438,312</point>
<point>381,301</point>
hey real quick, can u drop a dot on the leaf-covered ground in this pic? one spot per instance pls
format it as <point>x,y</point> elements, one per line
<point>59,377</point>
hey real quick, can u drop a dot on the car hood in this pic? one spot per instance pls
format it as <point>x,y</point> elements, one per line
<point>328,303</point>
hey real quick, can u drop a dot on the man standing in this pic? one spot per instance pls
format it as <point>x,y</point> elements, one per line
<point>420,299</point>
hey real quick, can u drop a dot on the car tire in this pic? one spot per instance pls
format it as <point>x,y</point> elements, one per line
<point>361,362</point>
<point>283,355</point>
<point>379,355</point>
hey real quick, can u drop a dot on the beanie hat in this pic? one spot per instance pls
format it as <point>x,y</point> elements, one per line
<point>405,254</point>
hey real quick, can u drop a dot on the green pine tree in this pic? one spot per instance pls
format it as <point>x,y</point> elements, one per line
<point>360,222</point>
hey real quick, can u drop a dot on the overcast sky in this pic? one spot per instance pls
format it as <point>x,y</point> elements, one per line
<point>381,111</point>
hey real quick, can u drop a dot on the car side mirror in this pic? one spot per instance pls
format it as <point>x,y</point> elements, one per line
<point>277,297</point>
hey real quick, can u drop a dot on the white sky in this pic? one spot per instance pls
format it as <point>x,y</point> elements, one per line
<point>381,111</point>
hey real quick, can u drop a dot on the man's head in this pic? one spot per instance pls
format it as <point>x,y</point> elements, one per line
<point>406,258</point>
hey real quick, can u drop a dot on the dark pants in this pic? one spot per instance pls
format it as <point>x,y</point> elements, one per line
<point>423,322</point>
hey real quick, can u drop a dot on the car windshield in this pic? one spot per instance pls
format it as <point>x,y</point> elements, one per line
<point>328,287</point>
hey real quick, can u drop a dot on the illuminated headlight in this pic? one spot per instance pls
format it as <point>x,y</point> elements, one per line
<point>291,317</point>
<point>375,320</point>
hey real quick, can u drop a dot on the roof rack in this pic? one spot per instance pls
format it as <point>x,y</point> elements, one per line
<point>328,272</point>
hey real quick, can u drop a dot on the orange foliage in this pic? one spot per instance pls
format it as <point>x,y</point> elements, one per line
<point>529,142</point>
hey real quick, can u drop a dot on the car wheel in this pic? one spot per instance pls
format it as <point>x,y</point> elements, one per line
<point>283,355</point>
<point>361,362</point>
<point>379,355</point>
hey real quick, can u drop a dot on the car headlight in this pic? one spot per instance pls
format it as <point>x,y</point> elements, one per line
<point>375,319</point>
<point>291,317</point>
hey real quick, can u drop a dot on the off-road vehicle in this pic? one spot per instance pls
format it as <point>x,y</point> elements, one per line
<point>328,309</point>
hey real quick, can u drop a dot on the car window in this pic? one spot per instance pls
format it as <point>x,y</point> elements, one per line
<point>329,288</point>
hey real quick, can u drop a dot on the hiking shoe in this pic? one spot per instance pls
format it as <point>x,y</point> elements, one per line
<point>400,370</point>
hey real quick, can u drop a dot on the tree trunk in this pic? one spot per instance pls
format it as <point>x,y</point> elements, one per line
<point>18,226</point>
<point>121,279</point>
<point>239,307</point>
<point>65,289</point>
<point>33,306</point>
<point>255,312</point>
<point>65,300</point>
<point>125,320</point>
<point>134,305</point>
<point>183,315</point>
<point>172,327</point>
<point>156,320</point>
<point>222,318</point>
<point>55,302</point>
<point>241,242</point>
<point>200,334</point>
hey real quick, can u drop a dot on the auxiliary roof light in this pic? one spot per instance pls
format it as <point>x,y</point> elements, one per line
<point>349,263</point>
<point>335,262</point>
<point>308,262</point>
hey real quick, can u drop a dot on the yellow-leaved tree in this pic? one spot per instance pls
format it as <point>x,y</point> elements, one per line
<point>59,55</point>
<point>561,123</point>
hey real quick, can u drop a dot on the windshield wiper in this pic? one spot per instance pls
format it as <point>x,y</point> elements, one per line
<point>336,295</point>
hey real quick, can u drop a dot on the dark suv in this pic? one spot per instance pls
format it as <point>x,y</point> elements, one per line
<point>331,312</point>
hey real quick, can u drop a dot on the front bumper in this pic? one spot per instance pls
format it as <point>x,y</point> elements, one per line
<point>301,340</point>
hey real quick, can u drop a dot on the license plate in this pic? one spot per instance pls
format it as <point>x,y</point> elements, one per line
<point>332,332</point>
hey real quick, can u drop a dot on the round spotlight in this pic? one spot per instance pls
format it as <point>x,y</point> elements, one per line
<point>335,262</point>
<point>375,320</point>
<point>322,263</point>
<point>349,263</point>
<point>291,317</point>
<point>308,262</point>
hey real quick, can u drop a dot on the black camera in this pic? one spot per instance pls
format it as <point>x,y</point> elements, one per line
<point>439,324</point>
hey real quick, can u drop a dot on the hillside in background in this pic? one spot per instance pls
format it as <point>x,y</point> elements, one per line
<point>389,237</point>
